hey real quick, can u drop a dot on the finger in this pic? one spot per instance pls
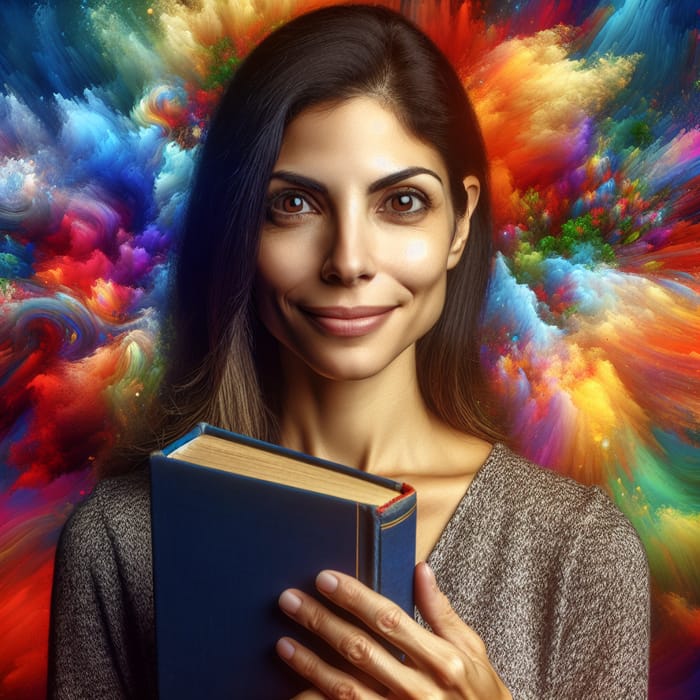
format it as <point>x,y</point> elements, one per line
<point>357,646</point>
<point>439,614</point>
<point>436,610</point>
<point>331,682</point>
<point>439,658</point>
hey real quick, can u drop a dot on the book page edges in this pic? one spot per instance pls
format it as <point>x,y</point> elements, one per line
<point>266,462</point>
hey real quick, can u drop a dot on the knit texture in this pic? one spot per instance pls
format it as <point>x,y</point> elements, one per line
<point>548,572</point>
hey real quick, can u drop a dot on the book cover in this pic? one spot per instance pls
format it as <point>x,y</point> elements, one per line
<point>225,545</point>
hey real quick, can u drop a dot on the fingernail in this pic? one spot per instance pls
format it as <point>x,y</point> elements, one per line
<point>326,582</point>
<point>285,648</point>
<point>289,602</point>
<point>431,575</point>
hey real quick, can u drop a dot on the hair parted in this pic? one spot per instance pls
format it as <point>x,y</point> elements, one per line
<point>218,354</point>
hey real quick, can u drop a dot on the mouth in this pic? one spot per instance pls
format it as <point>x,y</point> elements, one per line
<point>347,321</point>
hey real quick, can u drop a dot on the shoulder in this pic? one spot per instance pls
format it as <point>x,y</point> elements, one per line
<point>557,510</point>
<point>116,502</point>
<point>113,520</point>
<point>517,515</point>
<point>524,489</point>
<point>526,483</point>
<point>523,515</point>
<point>104,553</point>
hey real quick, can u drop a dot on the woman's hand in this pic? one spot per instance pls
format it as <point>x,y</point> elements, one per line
<point>449,663</point>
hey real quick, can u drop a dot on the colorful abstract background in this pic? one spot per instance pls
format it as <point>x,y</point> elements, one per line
<point>591,114</point>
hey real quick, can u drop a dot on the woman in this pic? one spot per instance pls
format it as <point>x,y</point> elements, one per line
<point>328,295</point>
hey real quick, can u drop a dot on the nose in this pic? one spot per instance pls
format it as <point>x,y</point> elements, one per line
<point>350,257</point>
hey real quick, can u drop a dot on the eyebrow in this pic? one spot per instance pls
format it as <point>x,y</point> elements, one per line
<point>387,181</point>
<point>296,179</point>
<point>399,176</point>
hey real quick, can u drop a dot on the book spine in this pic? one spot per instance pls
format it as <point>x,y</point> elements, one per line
<point>387,550</point>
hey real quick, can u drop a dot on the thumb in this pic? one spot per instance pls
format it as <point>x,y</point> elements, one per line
<point>436,610</point>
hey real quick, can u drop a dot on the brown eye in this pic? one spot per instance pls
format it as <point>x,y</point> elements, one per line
<point>286,206</point>
<point>403,202</point>
<point>292,204</point>
<point>406,203</point>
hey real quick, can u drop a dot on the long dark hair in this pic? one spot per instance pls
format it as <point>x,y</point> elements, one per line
<point>219,354</point>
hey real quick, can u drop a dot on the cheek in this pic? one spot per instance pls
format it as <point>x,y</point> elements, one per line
<point>420,262</point>
<point>416,251</point>
<point>279,267</point>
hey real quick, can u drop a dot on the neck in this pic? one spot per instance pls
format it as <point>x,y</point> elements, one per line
<point>373,424</point>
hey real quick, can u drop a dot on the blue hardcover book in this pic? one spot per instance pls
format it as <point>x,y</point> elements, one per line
<point>235,522</point>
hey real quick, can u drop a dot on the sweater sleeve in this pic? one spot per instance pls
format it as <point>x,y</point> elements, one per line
<point>99,641</point>
<point>601,619</point>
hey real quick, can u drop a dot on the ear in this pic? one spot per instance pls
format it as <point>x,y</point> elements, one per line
<point>459,239</point>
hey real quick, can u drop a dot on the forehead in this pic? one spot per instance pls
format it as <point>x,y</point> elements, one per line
<point>357,132</point>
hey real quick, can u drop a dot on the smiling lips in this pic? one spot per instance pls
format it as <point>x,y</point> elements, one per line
<point>348,322</point>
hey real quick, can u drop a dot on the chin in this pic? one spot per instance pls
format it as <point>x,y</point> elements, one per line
<point>344,372</point>
<point>355,374</point>
<point>352,366</point>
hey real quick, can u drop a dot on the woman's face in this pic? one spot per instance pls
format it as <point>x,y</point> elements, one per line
<point>359,235</point>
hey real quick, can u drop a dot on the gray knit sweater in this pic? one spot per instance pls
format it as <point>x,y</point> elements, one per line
<point>548,572</point>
